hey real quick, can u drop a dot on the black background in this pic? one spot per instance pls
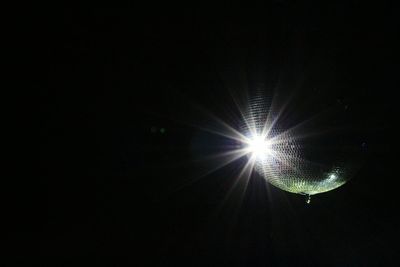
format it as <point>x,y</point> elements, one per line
<point>115,190</point>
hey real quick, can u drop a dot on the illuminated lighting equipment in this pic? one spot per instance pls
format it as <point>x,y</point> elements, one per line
<point>282,157</point>
<point>279,159</point>
<point>292,157</point>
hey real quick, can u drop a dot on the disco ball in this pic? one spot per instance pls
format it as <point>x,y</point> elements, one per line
<point>287,168</point>
<point>308,159</point>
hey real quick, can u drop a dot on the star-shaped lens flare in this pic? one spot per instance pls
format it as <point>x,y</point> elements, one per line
<point>282,155</point>
<point>259,146</point>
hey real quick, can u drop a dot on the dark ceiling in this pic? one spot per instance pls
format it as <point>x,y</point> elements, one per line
<point>125,166</point>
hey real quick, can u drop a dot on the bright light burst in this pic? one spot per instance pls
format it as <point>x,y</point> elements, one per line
<point>259,146</point>
<point>277,154</point>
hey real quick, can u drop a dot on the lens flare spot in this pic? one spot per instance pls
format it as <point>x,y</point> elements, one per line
<point>260,147</point>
